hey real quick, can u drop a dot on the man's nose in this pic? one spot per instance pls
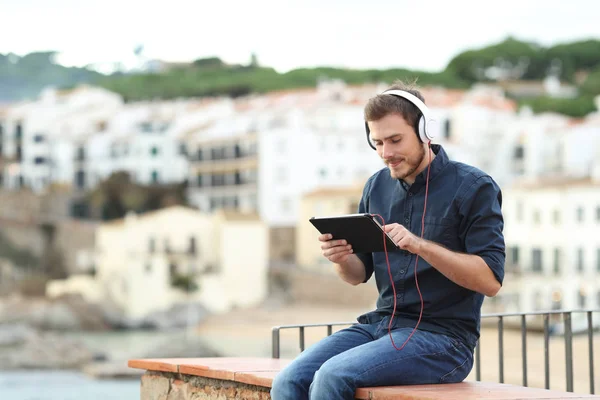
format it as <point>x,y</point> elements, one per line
<point>386,151</point>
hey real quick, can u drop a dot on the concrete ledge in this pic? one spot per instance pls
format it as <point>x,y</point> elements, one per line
<point>251,378</point>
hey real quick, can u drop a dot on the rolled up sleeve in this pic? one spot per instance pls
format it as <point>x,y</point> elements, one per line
<point>481,229</point>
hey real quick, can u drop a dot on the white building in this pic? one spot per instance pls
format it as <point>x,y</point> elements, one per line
<point>38,136</point>
<point>552,233</point>
<point>277,147</point>
<point>136,140</point>
<point>139,258</point>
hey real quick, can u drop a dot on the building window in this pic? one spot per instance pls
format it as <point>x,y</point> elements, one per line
<point>557,261</point>
<point>323,173</point>
<point>192,247</point>
<point>80,153</point>
<point>182,149</point>
<point>519,152</point>
<point>148,268</point>
<point>447,129</point>
<point>519,210</point>
<point>80,179</point>
<point>154,176</point>
<point>579,214</point>
<point>598,259</point>
<point>598,214</point>
<point>199,180</point>
<point>581,297</point>
<point>536,217</point>
<point>536,260</point>
<point>556,217</point>
<point>19,131</point>
<point>580,259</point>
<point>39,160</point>
<point>38,138</point>
<point>154,151</point>
<point>151,245</point>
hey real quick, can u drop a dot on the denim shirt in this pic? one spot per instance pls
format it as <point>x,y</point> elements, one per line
<point>463,215</point>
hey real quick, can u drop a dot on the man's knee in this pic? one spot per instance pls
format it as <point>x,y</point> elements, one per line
<point>330,378</point>
<point>289,384</point>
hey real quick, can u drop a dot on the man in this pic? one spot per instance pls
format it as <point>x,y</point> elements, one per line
<point>460,259</point>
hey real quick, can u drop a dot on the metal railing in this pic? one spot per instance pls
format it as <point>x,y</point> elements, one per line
<point>549,328</point>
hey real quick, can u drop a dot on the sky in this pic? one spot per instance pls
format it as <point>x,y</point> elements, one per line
<point>287,34</point>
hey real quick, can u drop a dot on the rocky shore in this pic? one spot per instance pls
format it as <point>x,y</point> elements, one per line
<point>38,333</point>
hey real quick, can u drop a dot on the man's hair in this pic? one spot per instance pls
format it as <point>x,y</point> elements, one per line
<point>382,105</point>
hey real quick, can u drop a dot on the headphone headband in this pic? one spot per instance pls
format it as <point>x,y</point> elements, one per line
<point>426,125</point>
<point>412,98</point>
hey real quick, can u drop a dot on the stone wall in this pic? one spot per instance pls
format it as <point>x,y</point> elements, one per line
<point>171,386</point>
<point>282,244</point>
<point>75,239</point>
<point>23,236</point>
<point>306,287</point>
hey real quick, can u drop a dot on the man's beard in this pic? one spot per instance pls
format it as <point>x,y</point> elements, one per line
<point>412,165</point>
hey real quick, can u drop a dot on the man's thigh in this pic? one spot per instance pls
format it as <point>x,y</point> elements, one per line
<point>426,358</point>
<point>311,359</point>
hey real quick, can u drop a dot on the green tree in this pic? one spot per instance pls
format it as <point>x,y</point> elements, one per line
<point>591,84</point>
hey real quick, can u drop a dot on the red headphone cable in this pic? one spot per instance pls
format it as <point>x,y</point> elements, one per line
<point>416,263</point>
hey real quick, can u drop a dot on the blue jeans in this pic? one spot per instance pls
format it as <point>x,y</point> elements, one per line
<point>362,356</point>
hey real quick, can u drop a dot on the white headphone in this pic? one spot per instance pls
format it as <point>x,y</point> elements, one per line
<point>427,125</point>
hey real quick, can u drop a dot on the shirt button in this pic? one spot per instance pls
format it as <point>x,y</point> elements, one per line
<point>405,219</point>
<point>401,271</point>
<point>409,194</point>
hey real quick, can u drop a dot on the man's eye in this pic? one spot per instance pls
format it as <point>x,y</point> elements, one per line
<point>395,140</point>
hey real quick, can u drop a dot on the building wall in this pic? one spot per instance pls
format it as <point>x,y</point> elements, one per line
<point>555,229</point>
<point>331,201</point>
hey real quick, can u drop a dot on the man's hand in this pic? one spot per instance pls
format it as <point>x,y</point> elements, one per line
<point>336,251</point>
<point>404,238</point>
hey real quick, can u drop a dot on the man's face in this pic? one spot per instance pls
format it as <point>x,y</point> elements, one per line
<point>398,146</point>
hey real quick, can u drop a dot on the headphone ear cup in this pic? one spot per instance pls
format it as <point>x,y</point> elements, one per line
<point>432,129</point>
<point>422,134</point>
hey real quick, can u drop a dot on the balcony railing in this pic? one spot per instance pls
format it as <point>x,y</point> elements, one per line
<point>549,328</point>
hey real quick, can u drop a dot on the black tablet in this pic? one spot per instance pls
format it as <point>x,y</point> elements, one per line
<point>362,231</point>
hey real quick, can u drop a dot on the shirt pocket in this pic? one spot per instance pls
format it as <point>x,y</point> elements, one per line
<point>442,230</point>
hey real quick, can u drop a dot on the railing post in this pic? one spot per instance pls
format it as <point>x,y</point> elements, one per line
<point>301,339</point>
<point>501,349</point>
<point>275,342</point>
<point>478,361</point>
<point>569,350</point>
<point>591,349</point>
<point>524,347</point>
<point>547,350</point>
